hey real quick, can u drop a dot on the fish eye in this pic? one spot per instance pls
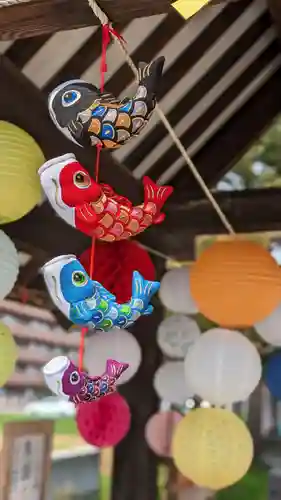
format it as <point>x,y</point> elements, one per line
<point>79,278</point>
<point>81,180</point>
<point>74,378</point>
<point>70,97</point>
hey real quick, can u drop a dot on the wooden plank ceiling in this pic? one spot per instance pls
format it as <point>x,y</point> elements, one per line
<point>36,17</point>
<point>215,65</point>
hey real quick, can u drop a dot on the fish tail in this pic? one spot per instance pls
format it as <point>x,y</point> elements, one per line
<point>150,74</point>
<point>153,193</point>
<point>142,292</point>
<point>115,369</point>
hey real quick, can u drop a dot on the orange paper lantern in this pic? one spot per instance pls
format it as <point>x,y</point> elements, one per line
<point>235,283</point>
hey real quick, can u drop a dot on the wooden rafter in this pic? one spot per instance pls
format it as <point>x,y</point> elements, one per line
<point>48,16</point>
<point>23,104</point>
<point>248,211</point>
<point>229,144</point>
<point>275,11</point>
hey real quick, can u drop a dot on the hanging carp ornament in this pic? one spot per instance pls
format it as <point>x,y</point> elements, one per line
<point>87,302</point>
<point>64,379</point>
<point>95,209</point>
<point>90,117</point>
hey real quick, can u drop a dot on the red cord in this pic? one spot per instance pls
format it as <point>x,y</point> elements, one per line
<point>106,30</point>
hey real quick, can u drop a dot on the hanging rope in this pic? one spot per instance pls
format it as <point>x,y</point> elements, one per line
<point>106,22</point>
<point>106,30</point>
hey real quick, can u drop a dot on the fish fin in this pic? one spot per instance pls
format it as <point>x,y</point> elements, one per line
<point>153,193</point>
<point>160,218</point>
<point>149,310</point>
<point>115,369</point>
<point>150,74</point>
<point>80,313</point>
<point>143,289</point>
<point>110,193</point>
<point>107,190</point>
<point>76,129</point>
<point>85,213</point>
<point>104,293</point>
<point>108,98</point>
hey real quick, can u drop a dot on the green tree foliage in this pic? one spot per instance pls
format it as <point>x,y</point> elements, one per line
<point>267,152</point>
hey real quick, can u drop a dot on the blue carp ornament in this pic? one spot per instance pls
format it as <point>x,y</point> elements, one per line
<point>87,302</point>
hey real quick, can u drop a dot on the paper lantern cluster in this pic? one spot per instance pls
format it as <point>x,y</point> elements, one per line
<point>236,285</point>
<point>20,192</point>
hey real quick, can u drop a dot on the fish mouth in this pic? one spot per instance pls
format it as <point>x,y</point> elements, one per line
<point>55,183</point>
<point>56,289</point>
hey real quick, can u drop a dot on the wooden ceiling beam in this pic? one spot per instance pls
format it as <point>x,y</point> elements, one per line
<point>275,11</point>
<point>24,105</point>
<point>248,211</point>
<point>38,17</point>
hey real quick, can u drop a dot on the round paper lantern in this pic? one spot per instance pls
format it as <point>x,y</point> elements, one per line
<point>176,334</point>
<point>9,267</point>
<point>169,383</point>
<point>272,374</point>
<point>212,447</point>
<point>174,292</point>
<point>104,422</point>
<point>20,159</point>
<point>114,266</point>
<point>115,344</point>
<point>159,430</point>
<point>270,328</point>
<point>8,354</point>
<point>223,367</point>
<point>236,283</point>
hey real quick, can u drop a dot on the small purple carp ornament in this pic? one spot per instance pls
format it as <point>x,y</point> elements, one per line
<point>64,379</point>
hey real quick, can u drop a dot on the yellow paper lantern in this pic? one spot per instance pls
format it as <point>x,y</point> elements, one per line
<point>8,354</point>
<point>20,159</point>
<point>212,447</point>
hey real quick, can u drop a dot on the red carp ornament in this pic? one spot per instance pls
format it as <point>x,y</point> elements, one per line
<point>95,209</point>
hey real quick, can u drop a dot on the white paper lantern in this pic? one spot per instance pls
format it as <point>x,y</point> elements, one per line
<point>9,265</point>
<point>270,328</point>
<point>169,383</point>
<point>174,292</point>
<point>176,334</point>
<point>223,367</point>
<point>119,345</point>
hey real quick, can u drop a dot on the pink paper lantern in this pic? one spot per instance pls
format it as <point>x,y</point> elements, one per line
<point>104,422</point>
<point>159,431</point>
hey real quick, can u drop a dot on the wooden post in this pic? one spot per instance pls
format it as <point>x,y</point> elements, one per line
<point>135,465</point>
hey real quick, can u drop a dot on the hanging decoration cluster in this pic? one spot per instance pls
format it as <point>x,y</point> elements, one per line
<point>236,285</point>
<point>110,286</point>
<point>20,157</point>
